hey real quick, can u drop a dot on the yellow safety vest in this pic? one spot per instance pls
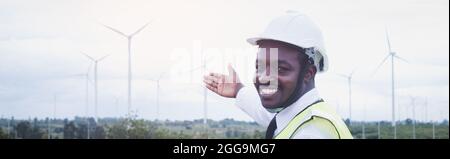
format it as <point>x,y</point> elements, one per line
<point>319,115</point>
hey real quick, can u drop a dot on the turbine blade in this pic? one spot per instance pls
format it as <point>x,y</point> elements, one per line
<point>400,58</point>
<point>199,67</point>
<point>115,30</point>
<point>139,30</point>
<point>102,58</point>
<point>196,68</point>
<point>353,71</point>
<point>388,41</point>
<point>382,62</point>
<point>89,57</point>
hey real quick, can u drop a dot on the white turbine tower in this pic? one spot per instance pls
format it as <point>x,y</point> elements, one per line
<point>129,38</point>
<point>95,61</point>
<point>86,75</point>
<point>364,123</point>
<point>413,105</point>
<point>349,78</point>
<point>86,98</point>
<point>9,129</point>
<point>202,67</point>
<point>391,55</point>
<point>54,112</point>
<point>378,130</point>
<point>426,110</point>
<point>157,81</point>
<point>205,100</point>
<point>430,120</point>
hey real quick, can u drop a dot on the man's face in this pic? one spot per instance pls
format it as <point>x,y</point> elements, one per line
<point>275,89</point>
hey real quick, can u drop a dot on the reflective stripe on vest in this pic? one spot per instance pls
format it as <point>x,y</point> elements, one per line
<point>322,117</point>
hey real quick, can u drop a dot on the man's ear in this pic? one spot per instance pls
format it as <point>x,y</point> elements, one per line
<point>310,74</point>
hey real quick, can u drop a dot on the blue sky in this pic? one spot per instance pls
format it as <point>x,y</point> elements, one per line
<point>40,44</point>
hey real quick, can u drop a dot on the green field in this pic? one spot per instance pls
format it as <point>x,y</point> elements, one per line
<point>122,128</point>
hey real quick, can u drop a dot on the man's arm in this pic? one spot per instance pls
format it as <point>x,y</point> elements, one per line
<point>247,99</point>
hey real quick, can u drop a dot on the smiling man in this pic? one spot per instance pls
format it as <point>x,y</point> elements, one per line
<point>291,52</point>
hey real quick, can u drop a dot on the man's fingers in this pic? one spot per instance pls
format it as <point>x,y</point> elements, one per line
<point>214,89</point>
<point>210,82</point>
<point>217,75</point>
<point>215,78</point>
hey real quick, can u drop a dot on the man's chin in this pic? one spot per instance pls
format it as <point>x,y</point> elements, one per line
<point>270,105</point>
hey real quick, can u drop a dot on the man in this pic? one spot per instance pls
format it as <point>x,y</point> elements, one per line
<point>291,52</point>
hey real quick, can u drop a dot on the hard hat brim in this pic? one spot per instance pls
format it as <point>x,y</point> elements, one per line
<point>254,41</point>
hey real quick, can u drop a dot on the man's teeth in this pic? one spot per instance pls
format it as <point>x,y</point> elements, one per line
<point>267,91</point>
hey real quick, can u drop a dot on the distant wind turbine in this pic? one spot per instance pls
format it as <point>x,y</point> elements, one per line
<point>392,55</point>
<point>86,98</point>
<point>413,104</point>
<point>129,38</point>
<point>349,78</point>
<point>54,116</point>
<point>157,80</point>
<point>95,61</point>
<point>9,129</point>
<point>364,123</point>
<point>378,130</point>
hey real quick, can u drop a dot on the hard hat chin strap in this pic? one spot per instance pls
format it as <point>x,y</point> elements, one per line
<point>297,91</point>
<point>315,56</point>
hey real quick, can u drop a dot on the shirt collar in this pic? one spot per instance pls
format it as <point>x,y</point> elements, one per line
<point>287,114</point>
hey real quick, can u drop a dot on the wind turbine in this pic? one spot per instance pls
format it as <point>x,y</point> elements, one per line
<point>157,80</point>
<point>432,121</point>
<point>426,110</point>
<point>129,38</point>
<point>86,98</point>
<point>434,129</point>
<point>202,67</point>
<point>86,75</point>
<point>364,122</point>
<point>48,128</point>
<point>10,130</point>
<point>54,114</point>
<point>378,129</point>
<point>391,55</point>
<point>205,98</point>
<point>349,79</point>
<point>204,61</point>
<point>413,102</point>
<point>95,61</point>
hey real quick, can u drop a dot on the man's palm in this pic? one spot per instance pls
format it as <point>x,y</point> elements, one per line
<point>223,85</point>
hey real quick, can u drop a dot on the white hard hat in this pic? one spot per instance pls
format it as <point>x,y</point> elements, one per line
<point>297,29</point>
